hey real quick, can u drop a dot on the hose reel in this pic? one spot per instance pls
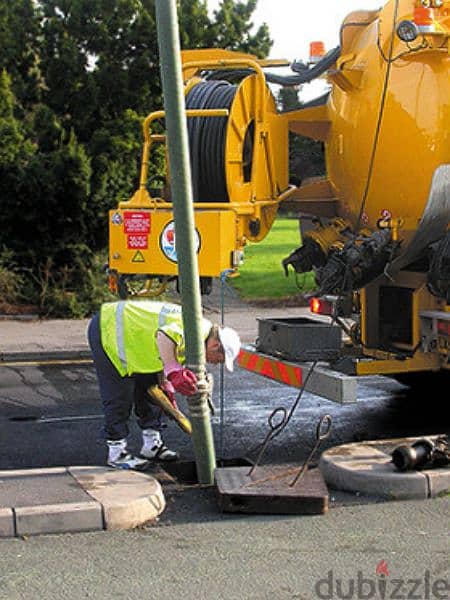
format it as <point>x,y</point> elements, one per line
<point>242,158</point>
<point>239,163</point>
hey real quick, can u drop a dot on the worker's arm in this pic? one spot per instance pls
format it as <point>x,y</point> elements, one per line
<point>182,379</point>
<point>167,349</point>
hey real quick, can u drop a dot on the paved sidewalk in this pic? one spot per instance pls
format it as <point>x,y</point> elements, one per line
<point>85,498</point>
<point>70,499</point>
<point>65,338</point>
<point>43,339</point>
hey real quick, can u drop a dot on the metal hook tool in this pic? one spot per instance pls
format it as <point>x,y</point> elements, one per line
<point>321,435</point>
<point>323,430</point>
<point>273,428</point>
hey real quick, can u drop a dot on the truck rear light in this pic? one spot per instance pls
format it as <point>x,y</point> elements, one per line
<point>424,19</point>
<point>113,284</point>
<point>443,328</point>
<point>316,52</point>
<point>320,306</point>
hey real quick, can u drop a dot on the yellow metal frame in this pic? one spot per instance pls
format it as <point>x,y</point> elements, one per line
<point>384,362</point>
<point>141,198</point>
<point>258,200</point>
<point>381,364</point>
<point>253,201</point>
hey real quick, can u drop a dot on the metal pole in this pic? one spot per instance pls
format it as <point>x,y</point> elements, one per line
<point>181,190</point>
<point>223,283</point>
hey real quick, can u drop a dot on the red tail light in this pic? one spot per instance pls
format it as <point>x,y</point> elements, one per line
<point>316,51</point>
<point>113,284</point>
<point>319,306</point>
<point>423,16</point>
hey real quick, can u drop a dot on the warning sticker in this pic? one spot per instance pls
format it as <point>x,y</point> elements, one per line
<point>136,221</point>
<point>138,257</point>
<point>137,241</point>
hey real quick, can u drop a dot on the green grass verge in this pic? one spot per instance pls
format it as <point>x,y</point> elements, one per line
<point>262,275</point>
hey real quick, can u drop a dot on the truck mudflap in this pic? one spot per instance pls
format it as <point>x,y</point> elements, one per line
<point>323,381</point>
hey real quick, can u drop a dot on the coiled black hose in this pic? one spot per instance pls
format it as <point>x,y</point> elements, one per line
<point>207,139</point>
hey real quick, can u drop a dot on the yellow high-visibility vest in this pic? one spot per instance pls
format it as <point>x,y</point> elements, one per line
<point>128,332</point>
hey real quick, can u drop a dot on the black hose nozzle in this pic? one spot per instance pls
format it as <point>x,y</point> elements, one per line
<point>423,454</point>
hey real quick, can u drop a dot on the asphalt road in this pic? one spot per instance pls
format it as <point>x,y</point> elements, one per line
<point>237,558</point>
<point>51,416</point>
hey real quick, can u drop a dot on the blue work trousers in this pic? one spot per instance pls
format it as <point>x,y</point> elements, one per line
<point>119,394</point>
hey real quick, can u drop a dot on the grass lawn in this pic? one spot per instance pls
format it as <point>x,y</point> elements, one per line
<point>262,275</point>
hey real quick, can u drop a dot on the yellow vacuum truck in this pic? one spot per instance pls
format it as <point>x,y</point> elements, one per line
<point>380,246</point>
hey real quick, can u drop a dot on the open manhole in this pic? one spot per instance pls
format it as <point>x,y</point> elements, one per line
<point>185,472</point>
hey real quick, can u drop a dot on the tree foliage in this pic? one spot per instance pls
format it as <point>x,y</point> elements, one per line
<point>232,28</point>
<point>11,138</point>
<point>77,78</point>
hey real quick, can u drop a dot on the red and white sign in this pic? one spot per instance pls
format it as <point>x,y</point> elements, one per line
<point>136,226</point>
<point>137,242</point>
<point>167,241</point>
<point>136,221</point>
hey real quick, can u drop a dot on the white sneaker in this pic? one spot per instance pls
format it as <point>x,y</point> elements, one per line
<point>120,458</point>
<point>129,461</point>
<point>154,448</point>
<point>159,452</point>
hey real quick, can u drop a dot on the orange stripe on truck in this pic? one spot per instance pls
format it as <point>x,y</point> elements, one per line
<point>272,368</point>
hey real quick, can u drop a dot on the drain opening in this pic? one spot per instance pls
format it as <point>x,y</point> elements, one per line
<point>185,472</point>
<point>25,418</point>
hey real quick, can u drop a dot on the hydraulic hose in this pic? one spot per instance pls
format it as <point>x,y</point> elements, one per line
<point>304,74</point>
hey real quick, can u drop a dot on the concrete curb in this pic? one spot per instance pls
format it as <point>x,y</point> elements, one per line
<point>85,499</point>
<point>128,498</point>
<point>367,468</point>
<point>7,528</point>
<point>58,518</point>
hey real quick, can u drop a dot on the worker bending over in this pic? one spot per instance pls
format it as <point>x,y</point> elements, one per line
<point>136,344</point>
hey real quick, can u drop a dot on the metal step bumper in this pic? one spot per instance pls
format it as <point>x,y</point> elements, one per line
<point>323,381</point>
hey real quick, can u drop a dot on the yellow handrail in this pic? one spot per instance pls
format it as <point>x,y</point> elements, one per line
<point>149,138</point>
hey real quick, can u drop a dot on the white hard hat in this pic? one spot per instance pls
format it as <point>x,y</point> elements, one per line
<point>231,345</point>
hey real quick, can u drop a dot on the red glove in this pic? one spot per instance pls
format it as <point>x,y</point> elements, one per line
<point>183,380</point>
<point>169,390</point>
